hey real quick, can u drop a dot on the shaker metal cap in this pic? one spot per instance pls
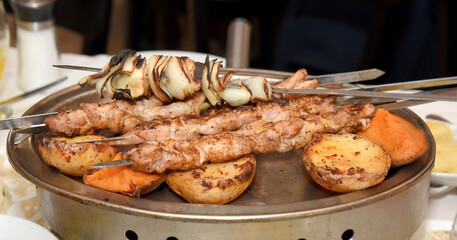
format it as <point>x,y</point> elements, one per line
<point>33,10</point>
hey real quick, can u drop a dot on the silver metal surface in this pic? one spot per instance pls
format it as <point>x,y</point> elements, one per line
<point>116,163</point>
<point>100,140</point>
<point>35,26</point>
<point>410,103</point>
<point>27,121</point>
<point>282,202</point>
<point>370,94</point>
<point>81,68</point>
<point>435,82</point>
<point>349,77</point>
<point>393,218</point>
<point>109,164</point>
<point>23,124</point>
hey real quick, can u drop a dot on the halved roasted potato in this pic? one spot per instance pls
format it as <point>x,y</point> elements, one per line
<point>74,158</point>
<point>214,183</point>
<point>345,162</point>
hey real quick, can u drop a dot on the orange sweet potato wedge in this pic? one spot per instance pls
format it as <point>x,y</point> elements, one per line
<point>401,139</point>
<point>124,180</point>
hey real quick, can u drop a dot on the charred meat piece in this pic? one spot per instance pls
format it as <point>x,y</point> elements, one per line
<point>120,116</point>
<point>216,121</point>
<point>257,137</point>
<point>296,81</point>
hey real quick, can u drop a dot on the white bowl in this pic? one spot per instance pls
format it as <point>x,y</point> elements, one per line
<point>445,181</point>
<point>430,226</point>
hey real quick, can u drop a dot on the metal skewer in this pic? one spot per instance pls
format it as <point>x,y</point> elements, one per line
<point>388,106</point>
<point>358,93</point>
<point>115,163</point>
<point>426,83</point>
<point>337,78</point>
<point>99,140</point>
<point>37,120</point>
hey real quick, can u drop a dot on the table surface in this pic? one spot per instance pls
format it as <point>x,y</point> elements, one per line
<point>18,196</point>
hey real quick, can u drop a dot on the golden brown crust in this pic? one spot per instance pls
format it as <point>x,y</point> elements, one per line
<point>216,183</point>
<point>345,162</point>
<point>74,158</point>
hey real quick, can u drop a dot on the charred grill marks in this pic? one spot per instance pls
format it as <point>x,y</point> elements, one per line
<point>256,137</point>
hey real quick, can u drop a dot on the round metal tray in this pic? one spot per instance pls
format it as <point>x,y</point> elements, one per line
<point>280,192</point>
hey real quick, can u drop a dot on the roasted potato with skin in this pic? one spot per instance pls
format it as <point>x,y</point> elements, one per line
<point>74,158</point>
<point>214,183</point>
<point>345,162</point>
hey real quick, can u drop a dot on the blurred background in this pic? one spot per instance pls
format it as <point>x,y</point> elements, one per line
<point>409,39</point>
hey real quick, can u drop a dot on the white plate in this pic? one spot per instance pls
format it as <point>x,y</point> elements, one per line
<point>196,56</point>
<point>18,228</point>
<point>430,226</point>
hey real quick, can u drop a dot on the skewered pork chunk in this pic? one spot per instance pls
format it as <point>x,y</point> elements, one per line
<point>216,121</point>
<point>257,137</point>
<point>120,116</point>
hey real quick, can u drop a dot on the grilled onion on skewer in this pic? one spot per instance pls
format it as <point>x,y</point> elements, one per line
<point>182,77</point>
<point>130,82</point>
<point>157,64</point>
<point>129,77</point>
<point>124,76</point>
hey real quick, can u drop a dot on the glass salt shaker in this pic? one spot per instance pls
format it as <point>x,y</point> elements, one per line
<point>36,43</point>
<point>4,39</point>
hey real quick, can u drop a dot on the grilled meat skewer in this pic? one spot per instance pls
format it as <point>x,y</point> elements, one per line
<point>257,137</point>
<point>216,121</point>
<point>120,116</point>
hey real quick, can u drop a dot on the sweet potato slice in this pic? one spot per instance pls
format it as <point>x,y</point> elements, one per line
<point>401,139</point>
<point>124,180</point>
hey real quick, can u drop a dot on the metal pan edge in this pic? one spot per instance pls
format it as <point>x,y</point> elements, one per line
<point>23,157</point>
